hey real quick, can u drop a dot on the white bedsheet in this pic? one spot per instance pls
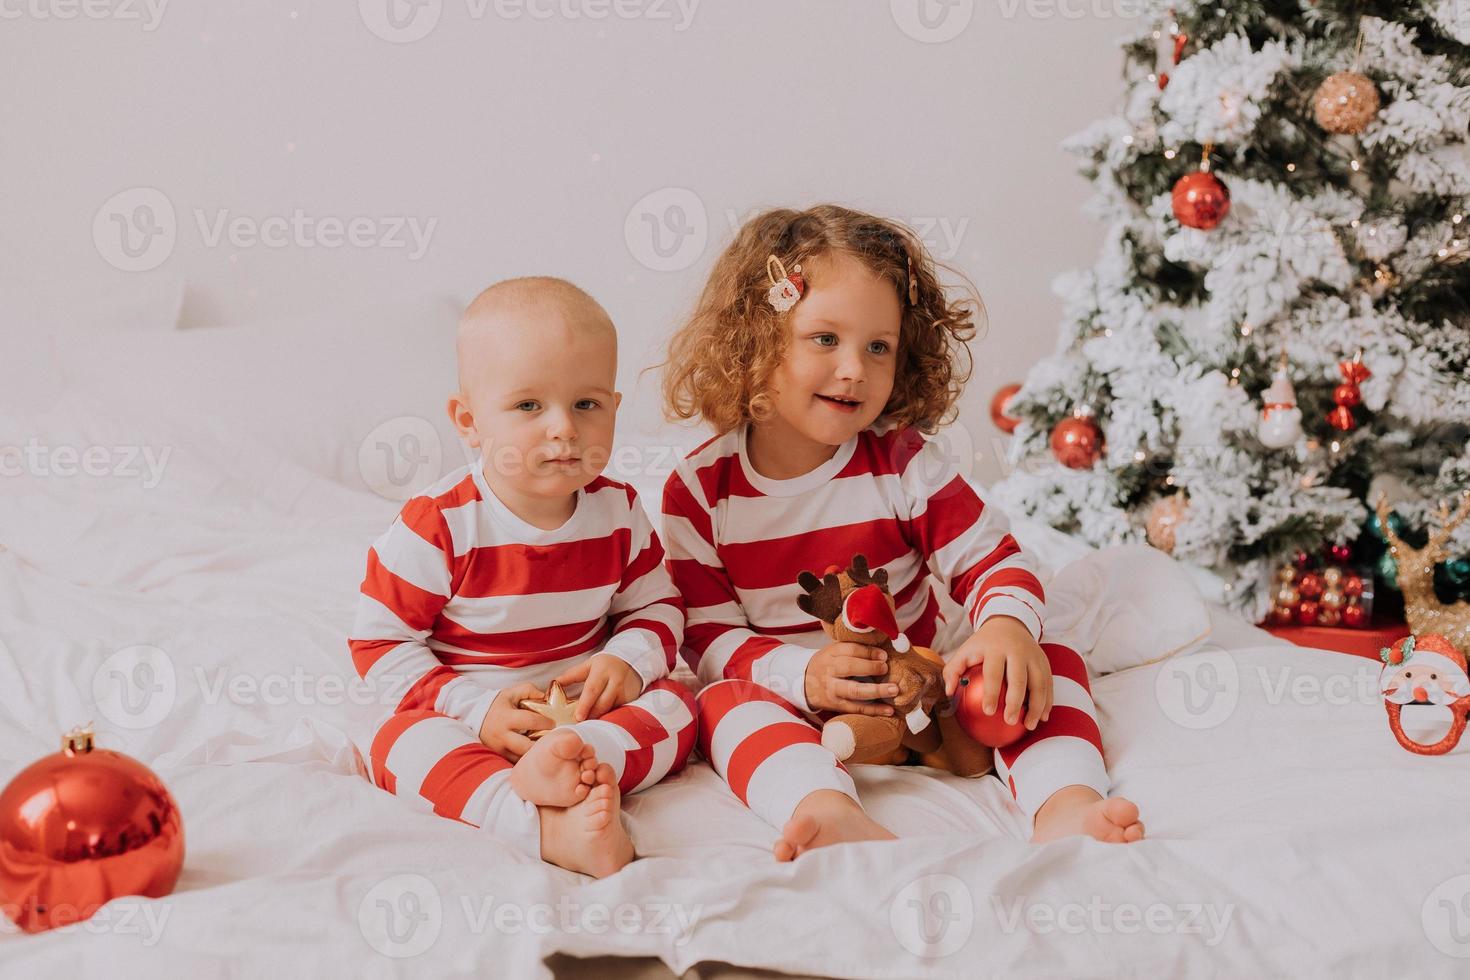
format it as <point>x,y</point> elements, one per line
<point>1288,833</point>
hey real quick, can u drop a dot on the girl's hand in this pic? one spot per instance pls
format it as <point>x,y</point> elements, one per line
<point>1008,651</point>
<point>829,685</point>
<point>607,682</point>
<point>506,724</point>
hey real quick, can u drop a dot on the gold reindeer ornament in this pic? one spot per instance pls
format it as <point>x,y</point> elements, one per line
<point>1422,608</point>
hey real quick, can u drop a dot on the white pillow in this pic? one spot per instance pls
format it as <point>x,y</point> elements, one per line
<point>33,314</point>
<point>1125,606</point>
<point>357,396</point>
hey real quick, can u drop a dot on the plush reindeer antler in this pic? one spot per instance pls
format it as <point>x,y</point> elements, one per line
<point>823,597</point>
<point>861,576</point>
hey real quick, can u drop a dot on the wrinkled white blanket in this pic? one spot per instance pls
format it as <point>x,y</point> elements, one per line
<point>1288,833</point>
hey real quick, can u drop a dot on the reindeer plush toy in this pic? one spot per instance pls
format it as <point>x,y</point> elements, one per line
<point>855,606</point>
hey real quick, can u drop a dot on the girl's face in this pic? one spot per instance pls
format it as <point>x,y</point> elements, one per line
<point>838,370</point>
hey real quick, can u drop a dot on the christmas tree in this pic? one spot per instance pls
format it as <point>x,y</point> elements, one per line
<point>1278,327</point>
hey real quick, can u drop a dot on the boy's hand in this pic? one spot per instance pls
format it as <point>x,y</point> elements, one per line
<point>1007,649</point>
<point>607,682</point>
<point>829,685</point>
<point>506,724</point>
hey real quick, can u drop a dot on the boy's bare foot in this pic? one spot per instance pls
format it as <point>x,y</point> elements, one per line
<point>589,837</point>
<point>1074,810</point>
<point>559,770</point>
<point>825,817</point>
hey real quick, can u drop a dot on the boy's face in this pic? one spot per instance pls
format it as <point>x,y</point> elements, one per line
<point>537,396</point>
<point>839,365</point>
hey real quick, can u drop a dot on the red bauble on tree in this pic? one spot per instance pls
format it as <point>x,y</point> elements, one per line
<point>1201,200</point>
<point>1077,442</point>
<point>1347,395</point>
<point>1000,405</point>
<point>80,828</point>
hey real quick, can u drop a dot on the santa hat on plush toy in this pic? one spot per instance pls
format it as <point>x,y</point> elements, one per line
<point>867,609</point>
<point>1431,651</point>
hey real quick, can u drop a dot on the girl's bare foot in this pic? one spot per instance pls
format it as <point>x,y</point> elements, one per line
<point>824,817</point>
<point>1075,810</point>
<point>559,770</point>
<point>589,837</point>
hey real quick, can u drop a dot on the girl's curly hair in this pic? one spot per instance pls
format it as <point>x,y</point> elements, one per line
<point>721,361</point>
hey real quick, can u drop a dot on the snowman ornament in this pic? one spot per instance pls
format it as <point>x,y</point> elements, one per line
<point>1281,420</point>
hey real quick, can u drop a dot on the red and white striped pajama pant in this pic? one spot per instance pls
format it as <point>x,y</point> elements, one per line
<point>439,764</point>
<point>771,755</point>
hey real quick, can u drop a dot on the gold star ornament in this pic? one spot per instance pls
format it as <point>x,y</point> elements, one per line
<point>556,706</point>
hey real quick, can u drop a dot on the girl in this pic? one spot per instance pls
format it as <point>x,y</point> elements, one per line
<point>821,349</point>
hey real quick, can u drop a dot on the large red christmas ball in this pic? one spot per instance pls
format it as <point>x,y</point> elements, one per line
<point>1000,408</point>
<point>1354,616</point>
<point>1077,442</point>
<point>1306,612</point>
<point>1352,586</point>
<point>991,730</point>
<point>80,828</point>
<point>1201,200</point>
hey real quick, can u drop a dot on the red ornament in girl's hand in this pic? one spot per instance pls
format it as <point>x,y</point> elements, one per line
<point>990,730</point>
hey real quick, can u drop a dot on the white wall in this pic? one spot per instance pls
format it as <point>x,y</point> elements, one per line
<point>529,141</point>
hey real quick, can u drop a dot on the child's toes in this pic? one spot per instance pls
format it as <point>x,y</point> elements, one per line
<point>1121,812</point>
<point>605,774</point>
<point>1133,832</point>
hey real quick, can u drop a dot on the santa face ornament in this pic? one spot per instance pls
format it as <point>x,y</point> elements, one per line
<point>1425,671</point>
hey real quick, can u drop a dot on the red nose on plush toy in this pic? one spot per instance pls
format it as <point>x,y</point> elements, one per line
<point>867,609</point>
